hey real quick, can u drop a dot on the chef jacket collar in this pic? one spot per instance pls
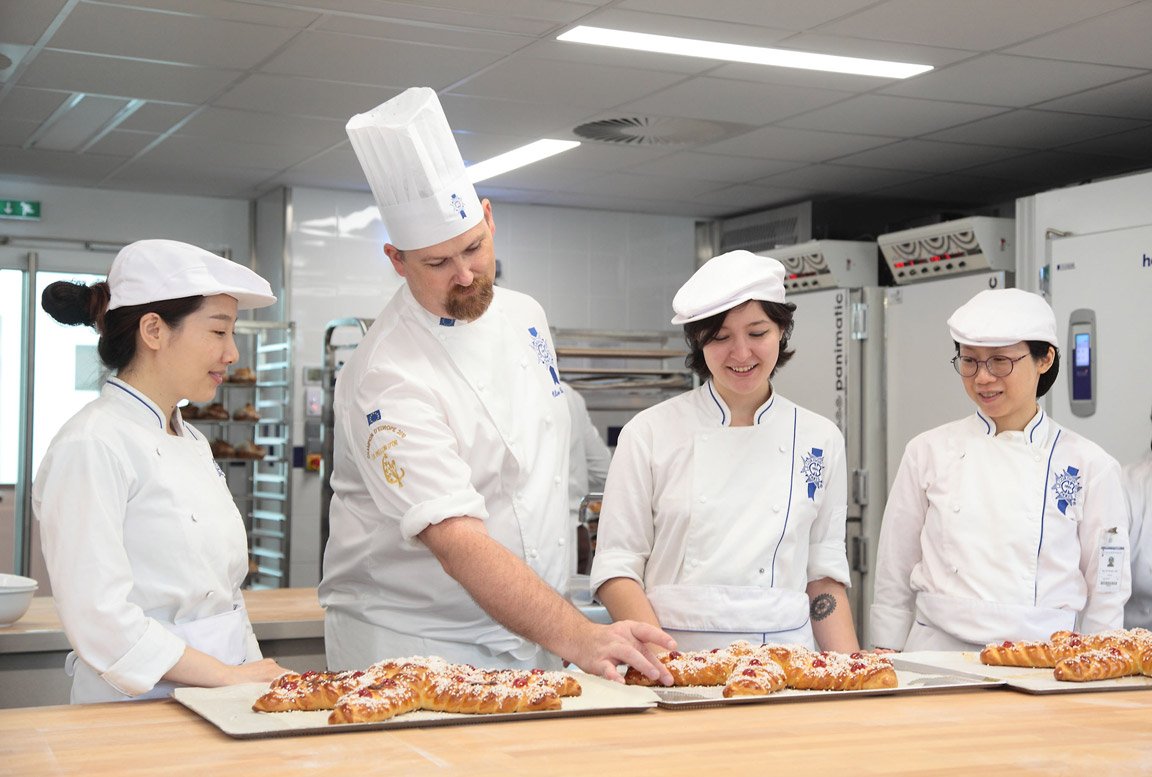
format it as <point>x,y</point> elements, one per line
<point>141,407</point>
<point>717,405</point>
<point>1035,431</point>
<point>436,323</point>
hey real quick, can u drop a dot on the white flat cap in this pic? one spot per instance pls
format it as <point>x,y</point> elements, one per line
<point>154,270</point>
<point>725,281</point>
<point>415,170</point>
<point>998,317</point>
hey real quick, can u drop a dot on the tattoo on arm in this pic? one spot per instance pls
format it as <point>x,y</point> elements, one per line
<point>823,606</point>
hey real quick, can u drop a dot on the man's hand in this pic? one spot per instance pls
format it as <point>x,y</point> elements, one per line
<point>601,649</point>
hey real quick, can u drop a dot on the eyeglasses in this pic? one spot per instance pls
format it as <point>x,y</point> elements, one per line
<point>997,366</point>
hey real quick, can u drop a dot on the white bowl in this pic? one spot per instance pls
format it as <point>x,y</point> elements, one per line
<point>15,597</point>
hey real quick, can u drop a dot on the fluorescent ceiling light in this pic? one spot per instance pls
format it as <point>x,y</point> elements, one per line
<point>732,52</point>
<point>518,157</point>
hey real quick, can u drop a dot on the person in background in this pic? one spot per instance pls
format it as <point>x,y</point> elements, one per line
<point>450,533</point>
<point>1003,525</point>
<point>1137,479</point>
<point>588,460</point>
<point>724,511</point>
<point>144,545</point>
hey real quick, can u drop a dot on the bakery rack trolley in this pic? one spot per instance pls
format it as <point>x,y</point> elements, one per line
<point>262,486</point>
<point>341,336</point>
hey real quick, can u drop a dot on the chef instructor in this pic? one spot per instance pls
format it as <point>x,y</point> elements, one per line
<point>449,527</point>
<point>144,545</point>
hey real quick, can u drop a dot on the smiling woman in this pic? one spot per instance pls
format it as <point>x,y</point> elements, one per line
<point>145,548</point>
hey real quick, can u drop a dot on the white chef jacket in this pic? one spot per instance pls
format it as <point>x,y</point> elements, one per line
<point>989,537</point>
<point>1137,478</point>
<point>588,458</point>
<point>724,527</point>
<point>144,546</point>
<point>438,418</point>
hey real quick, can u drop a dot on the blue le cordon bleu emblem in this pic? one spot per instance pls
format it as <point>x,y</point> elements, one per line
<point>1066,487</point>
<point>458,206</point>
<point>813,471</point>
<point>544,354</point>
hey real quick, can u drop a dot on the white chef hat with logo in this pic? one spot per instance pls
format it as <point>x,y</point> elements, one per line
<point>410,158</point>
<point>154,270</point>
<point>728,280</point>
<point>998,317</point>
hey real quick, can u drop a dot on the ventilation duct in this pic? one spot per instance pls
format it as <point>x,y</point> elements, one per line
<point>827,264</point>
<point>974,244</point>
<point>767,229</point>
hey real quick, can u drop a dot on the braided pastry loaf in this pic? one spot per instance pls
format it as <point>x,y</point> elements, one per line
<point>744,669</point>
<point>1076,657</point>
<point>392,688</point>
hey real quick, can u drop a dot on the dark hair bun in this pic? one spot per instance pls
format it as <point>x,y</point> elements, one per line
<point>74,303</point>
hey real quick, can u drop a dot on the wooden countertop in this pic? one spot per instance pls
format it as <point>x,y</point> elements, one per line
<point>974,732</point>
<point>285,613</point>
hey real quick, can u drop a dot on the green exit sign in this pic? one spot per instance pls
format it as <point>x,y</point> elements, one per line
<point>28,210</point>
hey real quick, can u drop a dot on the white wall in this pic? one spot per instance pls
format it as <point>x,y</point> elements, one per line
<point>588,268</point>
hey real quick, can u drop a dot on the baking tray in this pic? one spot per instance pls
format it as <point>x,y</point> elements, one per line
<point>912,678</point>
<point>1019,678</point>
<point>230,710</point>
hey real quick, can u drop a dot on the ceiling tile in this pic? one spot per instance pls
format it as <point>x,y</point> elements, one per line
<point>1134,144</point>
<point>165,37</point>
<point>521,17</point>
<point>57,166</point>
<point>839,178</point>
<point>281,15</point>
<point>125,77</point>
<point>32,104</point>
<point>1118,38</point>
<point>1131,98</point>
<point>122,143</point>
<point>232,181</point>
<point>894,116</point>
<point>214,153</point>
<point>750,197</point>
<point>565,83</point>
<point>996,79</point>
<point>1035,129</point>
<point>13,131</point>
<point>799,145</point>
<point>928,156</point>
<point>642,186</point>
<point>296,96</point>
<point>740,101</point>
<point>25,21</point>
<point>227,124</point>
<point>358,60</point>
<point>714,28</point>
<point>473,114</point>
<point>713,167</point>
<point>980,25</point>
<point>1052,168</point>
<point>786,14</point>
<point>156,117</point>
<point>605,56</point>
<point>478,40</point>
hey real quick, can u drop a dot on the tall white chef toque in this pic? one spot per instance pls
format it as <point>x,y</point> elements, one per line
<point>410,158</point>
<point>725,281</point>
<point>999,317</point>
<point>154,270</point>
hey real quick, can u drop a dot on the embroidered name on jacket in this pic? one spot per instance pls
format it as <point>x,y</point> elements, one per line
<point>381,440</point>
<point>813,471</point>
<point>544,354</point>
<point>1066,487</point>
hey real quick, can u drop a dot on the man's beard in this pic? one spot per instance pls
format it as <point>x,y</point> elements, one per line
<point>469,302</point>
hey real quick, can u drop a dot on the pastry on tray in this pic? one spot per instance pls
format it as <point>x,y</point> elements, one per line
<point>390,688</point>
<point>214,412</point>
<point>190,412</point>
<point>1078,658</point>
<point>222,449</point>
<point>246,413</point>
<point>242,375</point>
<point>745,669</point>
<point>250,450</point>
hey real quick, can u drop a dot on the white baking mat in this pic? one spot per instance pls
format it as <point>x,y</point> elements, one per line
<point>230,710</point>
<point>1018,677</point>
<point>911,679</point>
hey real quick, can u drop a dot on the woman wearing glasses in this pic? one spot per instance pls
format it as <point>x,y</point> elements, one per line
<point>1003,525</point>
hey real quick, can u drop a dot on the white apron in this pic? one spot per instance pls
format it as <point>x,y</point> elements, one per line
<point>737,547</point>
<point>223,636</point>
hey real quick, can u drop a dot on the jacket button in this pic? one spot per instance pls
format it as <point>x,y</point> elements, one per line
<point>783,448</point>
<point>775,508</point>
<point>560,541</point>
<point>955,508</point>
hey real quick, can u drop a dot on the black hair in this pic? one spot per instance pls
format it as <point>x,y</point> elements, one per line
<point>75,304</point>
<point>698,334</point>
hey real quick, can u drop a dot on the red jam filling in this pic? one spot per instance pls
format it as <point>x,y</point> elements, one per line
<point>819,662</point>
<point>675,654</point>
